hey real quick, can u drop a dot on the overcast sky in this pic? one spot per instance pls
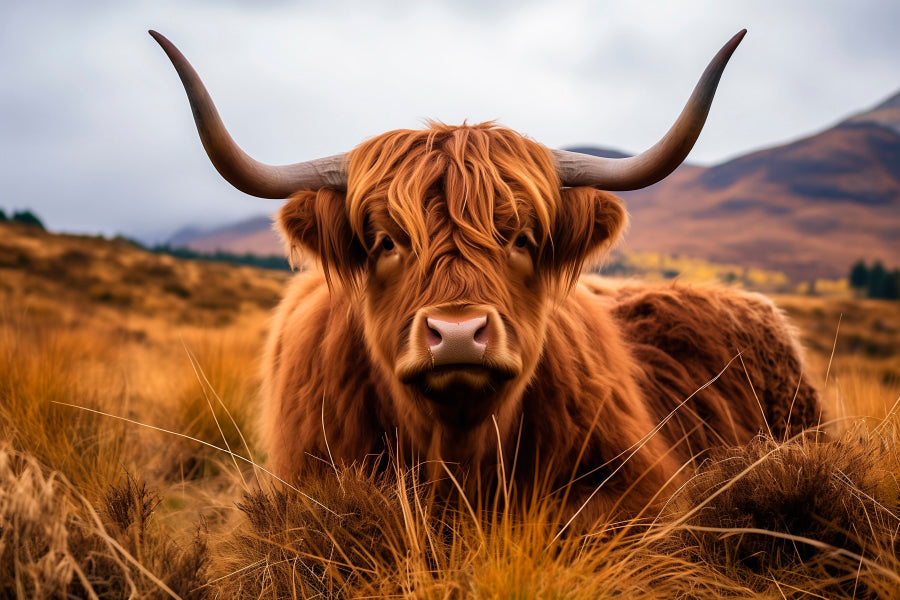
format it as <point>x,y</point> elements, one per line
<point>96,134</point>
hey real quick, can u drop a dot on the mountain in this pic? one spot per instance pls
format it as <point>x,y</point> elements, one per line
<point>251,236</point>
<point>601,152</point>
<point>886,114</point>
<point>809,208</point>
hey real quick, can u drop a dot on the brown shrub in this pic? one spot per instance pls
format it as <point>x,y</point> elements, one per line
<point>76,257</point>
<point>13,257</point>
<point>108,293</point>
<point>821,517</point>
<point>127,516</point>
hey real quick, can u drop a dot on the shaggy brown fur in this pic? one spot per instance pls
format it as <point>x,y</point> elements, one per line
<point>451,220</point>
<point>684,337</point>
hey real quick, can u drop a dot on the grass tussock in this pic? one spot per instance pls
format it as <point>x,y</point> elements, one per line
<point>798,517</point>
<point>54,543</point>
<point>353,536</point>
<point>773,519</point>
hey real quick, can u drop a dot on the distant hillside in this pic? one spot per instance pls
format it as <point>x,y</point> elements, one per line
<point>886,114</point>
<point>58,273</point>
<point>254,236</point>
<point>602,152</point>
<point>810,208</point>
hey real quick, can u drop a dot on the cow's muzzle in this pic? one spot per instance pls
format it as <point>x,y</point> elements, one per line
<point>458,349</point>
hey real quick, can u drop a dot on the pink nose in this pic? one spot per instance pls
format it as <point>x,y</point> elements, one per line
<point>457,342</point>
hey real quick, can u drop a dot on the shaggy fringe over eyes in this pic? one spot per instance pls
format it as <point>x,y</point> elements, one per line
<point>488,174</point>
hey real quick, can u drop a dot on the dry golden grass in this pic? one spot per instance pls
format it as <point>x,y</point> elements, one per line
<point>854,352</point>
<point>97,506</point>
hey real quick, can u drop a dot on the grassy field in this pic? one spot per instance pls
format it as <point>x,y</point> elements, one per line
<point>128,464</point>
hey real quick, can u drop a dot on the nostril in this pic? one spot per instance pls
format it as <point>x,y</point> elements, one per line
<point>482,335</point>
<point>432,337</point>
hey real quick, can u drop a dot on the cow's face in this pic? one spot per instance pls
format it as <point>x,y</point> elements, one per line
<point>458,242</point>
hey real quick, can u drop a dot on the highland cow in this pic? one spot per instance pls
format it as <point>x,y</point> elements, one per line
<point>446,320</point>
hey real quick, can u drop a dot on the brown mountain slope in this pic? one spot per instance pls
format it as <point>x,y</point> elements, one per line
<point>810,208</point>
<point>252,236</point>
<point>262,241</point>
<point>886,114</point>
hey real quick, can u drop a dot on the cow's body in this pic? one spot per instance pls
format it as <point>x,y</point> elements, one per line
<point>444,321</point>
<point>656,345</point>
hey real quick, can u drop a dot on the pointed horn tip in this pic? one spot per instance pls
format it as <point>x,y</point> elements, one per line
<point>724,54</point>
<point>162,40</point>
<point>737,38</point>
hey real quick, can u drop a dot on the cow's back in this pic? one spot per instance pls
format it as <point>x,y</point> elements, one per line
<point>731,357</point>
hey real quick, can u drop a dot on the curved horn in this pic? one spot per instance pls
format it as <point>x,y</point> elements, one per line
<point>240,170</point>
<point>633,173</point>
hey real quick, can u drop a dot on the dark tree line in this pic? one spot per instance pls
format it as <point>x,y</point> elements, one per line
<point>875,281</point>
<point>265,262</point>
<point>24,216</point>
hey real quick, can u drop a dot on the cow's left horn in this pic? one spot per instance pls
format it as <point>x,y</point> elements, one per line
<point>619,174</point>
<point>240,170</point>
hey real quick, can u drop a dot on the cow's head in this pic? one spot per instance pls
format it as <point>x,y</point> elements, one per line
<point>458,240</point>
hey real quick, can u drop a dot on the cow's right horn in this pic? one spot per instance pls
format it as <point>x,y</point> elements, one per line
<point>635,172</point>
<point>239,169</point>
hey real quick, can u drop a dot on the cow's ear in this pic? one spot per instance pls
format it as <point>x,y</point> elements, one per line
<point>316,222</point>
<point>589,221</point>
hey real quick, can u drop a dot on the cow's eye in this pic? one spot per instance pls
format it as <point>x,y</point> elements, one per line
<point>387,243</point>
<point>521,241</point>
